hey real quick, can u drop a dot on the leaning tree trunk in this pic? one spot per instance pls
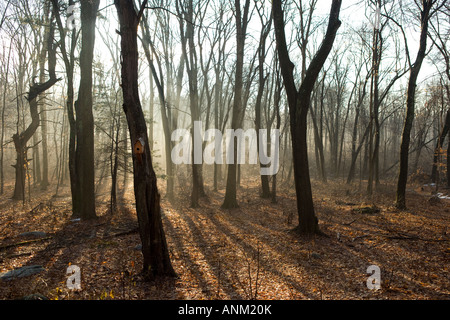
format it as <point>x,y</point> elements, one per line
<point>299,103</point>
<point>410,106</point>
<point>166,125</point>
<point>154,246</point>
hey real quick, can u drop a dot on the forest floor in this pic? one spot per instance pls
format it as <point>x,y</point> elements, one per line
<point>246,253</point>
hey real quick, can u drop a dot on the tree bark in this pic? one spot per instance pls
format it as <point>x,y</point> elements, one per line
<point>20,139</point>
<point>266,27</point>
<point>69,62</point>
<point>84,152</point>
<point>165,115</point>
<point>230,200</point>
<point>154,247</point>
<point>299,102</point>
<point>374,137</point>
<point>410,107</point>
<point>439,144</point>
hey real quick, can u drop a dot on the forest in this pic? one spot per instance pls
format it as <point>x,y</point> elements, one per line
<point>224,150</point>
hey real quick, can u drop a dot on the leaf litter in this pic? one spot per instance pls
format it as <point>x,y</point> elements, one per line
<point>250,252</point>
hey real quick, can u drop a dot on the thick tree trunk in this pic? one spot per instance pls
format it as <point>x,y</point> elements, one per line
<point>307,221</point>
<point>84,152</point>
<point>299,103</point>
<point>154,246</point>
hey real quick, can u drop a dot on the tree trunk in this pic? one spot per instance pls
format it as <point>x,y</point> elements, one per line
<point>165,115</point>
<point>439,144</point>
<point>2,149</point>
<point>265,189</point>
<point>20,139</point>
<point>277,99</point>
<point>374,137</point>
<point>154,247</point>
<point>43,113</point>
<point>230,200</point>
<point>410,106</point>
<point>299,103</point>
<point>84,152</point>
<point>69,62</point>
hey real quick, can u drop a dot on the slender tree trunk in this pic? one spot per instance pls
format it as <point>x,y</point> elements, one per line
<point>44,183</point>
<point>374,140</point>
<point>5,86</point>
<point>165,115</point>
<point>277,99</point>
<point>410,107</point>
<point>265,189</point>
<point>69,62</point>
<point>439,144</point>
<point>230,200</point>
<point>448,163</point>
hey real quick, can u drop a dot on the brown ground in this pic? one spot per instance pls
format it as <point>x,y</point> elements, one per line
<point>246,253</point>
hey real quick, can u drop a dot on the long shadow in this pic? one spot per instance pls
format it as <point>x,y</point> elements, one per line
<point>54,261</point>
<point>396,270</point>
<point>252,251</point>
<point>357,256</point>
<point>202,246</point>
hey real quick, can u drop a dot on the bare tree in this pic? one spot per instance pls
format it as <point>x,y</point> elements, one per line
<point>148,208</point>
<point>439,35</point>
<point>21,138</point>
<point>241,16</point>
<point>299,101</point>
<point>425,13</point>
<point>84,152</point>
<point>68,56</point>
<point>266,25</point>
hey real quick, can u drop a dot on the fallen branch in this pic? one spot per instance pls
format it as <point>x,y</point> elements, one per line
<point>127,232</point>
<point>23,243</point>
<point>349,223</point>
<point>414,237</point>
